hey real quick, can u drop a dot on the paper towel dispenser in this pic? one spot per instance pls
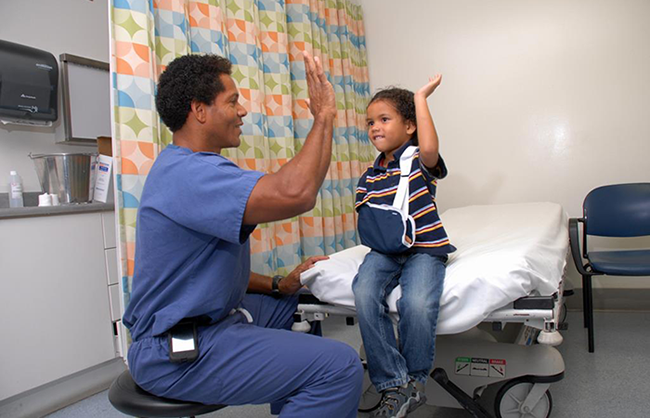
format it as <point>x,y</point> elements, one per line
<point>28,85</point>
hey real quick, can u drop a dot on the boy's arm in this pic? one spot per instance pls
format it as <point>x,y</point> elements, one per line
<point>426,131</point>
<point>361,191</point>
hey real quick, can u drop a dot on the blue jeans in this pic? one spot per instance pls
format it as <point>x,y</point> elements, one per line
<point>421,277</point>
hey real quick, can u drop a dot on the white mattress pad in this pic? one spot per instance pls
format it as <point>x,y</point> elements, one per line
<point>504,252</point>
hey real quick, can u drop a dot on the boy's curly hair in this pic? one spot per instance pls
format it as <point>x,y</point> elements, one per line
<point>189,78</point>
<point>402,100</point>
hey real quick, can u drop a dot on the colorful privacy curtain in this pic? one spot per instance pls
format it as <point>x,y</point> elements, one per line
<point>264,40</point>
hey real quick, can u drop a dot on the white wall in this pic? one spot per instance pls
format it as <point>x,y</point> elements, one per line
<point>540,100</point>
<point>78,27</point>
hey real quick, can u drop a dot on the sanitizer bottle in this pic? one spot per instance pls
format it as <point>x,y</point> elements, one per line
<point>15,190</point>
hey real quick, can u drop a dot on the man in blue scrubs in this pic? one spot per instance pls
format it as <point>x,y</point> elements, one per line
<point>192,257</point>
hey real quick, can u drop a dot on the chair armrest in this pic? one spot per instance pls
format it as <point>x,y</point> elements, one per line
<point>574,241</point>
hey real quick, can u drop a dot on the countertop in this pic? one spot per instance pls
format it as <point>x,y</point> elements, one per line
<point>31,209</point>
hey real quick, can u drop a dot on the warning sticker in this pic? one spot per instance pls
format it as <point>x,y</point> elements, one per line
<point>463,365</point>
<point>497,368</point>
<point>479,367</point>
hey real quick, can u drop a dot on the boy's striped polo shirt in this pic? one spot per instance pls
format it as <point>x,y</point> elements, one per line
<point>379,184</point>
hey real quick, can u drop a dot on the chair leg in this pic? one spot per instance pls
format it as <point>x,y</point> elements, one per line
<point>590,315</point>
<point>585,300</point>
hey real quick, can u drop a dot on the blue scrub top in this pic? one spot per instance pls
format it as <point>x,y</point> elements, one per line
<point>192,253</point>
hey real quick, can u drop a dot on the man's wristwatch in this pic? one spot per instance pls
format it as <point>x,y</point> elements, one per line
<point>275,286</point>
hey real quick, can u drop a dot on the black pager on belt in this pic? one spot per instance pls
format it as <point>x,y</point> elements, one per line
<point>183,342</point>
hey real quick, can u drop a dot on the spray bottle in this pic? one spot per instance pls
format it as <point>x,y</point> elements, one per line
<point>15,190</point>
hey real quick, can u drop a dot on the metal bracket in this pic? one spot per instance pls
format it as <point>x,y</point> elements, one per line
<point>466,401</point>
<point>536,392</point>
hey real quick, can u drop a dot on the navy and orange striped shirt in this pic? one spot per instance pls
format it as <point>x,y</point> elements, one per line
<point>379,184</point>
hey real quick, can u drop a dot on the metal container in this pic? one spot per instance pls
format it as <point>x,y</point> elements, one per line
<point>71,176</point>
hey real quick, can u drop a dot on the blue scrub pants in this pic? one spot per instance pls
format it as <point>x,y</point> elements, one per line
<point>263,362</point>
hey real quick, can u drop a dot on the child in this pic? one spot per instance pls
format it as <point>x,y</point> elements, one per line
<point>397,119</point>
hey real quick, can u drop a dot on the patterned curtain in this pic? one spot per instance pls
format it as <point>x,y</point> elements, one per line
<point>264,40</point>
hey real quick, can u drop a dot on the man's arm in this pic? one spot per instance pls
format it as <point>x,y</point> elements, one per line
<point>427,135</point>
<point>293,189</point>
<point>288,285</point>
<point>259,284</point>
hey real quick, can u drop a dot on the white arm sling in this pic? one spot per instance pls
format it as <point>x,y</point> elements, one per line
<point>401,201</point>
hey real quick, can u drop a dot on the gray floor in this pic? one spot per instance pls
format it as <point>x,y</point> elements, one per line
<point>612,382</point>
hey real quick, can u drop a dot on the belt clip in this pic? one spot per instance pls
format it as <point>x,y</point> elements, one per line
<point>247,315</point>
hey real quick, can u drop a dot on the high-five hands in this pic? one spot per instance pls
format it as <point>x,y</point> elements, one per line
<point>321,93</point>
<point>426,90</point>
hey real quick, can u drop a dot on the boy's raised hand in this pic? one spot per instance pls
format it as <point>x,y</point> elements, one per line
<point>426,90</point>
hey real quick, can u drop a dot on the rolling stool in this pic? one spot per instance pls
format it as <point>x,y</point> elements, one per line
<point>130,399</point>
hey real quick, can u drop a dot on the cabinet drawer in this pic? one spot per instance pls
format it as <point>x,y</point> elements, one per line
<point>110,257</point>
<point>114,296</point>
<point>118,332</point>
<point>108,223</point>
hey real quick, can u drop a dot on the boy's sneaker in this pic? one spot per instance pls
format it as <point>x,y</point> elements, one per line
<point>398,402</point>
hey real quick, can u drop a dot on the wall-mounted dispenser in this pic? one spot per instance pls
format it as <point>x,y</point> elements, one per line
<point>28,85</point>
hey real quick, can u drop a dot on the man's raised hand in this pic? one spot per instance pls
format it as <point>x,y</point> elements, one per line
<point>321,93</point>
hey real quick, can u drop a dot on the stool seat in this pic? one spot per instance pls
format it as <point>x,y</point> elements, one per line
<point>127,397</point>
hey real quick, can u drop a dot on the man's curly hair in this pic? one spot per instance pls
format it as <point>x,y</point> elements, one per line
<point>402,100</point>
<point>189,78</point>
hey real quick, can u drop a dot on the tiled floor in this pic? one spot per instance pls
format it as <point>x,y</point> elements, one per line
<point>612,382</point>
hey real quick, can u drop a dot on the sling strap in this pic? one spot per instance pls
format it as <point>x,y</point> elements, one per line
<point>401,201</point>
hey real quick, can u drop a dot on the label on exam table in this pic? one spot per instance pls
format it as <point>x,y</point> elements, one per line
<point>480,367</point>
<point>497,368</point>
<point>463,365</point>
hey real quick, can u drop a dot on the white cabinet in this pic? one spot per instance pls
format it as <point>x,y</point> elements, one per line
<point>112,276</point>
<point>55,310</point>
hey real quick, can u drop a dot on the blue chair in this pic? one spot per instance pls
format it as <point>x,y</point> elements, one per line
<point>127,397</point>
<point>620,210</point>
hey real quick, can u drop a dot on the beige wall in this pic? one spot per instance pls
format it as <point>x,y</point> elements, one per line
<point>540,101</point>
<point>78,27</point>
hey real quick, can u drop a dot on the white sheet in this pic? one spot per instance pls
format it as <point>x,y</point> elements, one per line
<point>504,252</point>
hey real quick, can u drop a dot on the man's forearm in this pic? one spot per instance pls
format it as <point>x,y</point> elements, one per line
<point>259,284</point>
<point>293,189</point>
<point>326,157</point>
<point>306,171</point>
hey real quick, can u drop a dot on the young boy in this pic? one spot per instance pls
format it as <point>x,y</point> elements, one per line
<point>397,119</point>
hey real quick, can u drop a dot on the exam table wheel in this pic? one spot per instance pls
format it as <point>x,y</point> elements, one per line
<point>370,398</point>
<point>513,393</point>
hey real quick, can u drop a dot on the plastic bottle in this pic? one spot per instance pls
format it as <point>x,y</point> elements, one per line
<point>15,190</point>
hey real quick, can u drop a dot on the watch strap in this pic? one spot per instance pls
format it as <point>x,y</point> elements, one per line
<point>275,284</point>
